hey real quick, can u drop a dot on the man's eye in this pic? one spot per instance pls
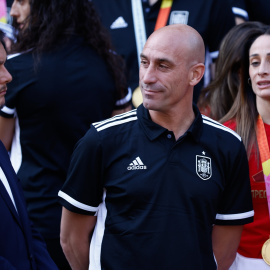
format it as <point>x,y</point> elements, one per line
<point>144,62</point>
<point>163,67</point>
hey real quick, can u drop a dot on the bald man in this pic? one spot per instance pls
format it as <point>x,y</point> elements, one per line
<point>158,188</point>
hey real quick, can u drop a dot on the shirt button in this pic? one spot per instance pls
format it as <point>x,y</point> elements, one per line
<point>147,10</point>
<point>169,136</point>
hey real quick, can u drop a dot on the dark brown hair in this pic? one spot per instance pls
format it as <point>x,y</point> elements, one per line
<point>244,109</point>
<point>53,22</point>
<point>220,94</point>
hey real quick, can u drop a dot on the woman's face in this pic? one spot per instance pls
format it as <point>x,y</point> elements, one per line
<point>259,66</point>
<point>20,10</point>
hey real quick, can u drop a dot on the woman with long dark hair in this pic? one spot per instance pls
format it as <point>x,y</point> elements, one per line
<point>249,116</point>
<point>217,98</point>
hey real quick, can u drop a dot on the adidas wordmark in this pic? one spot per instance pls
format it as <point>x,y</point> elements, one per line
<point>136,164</point>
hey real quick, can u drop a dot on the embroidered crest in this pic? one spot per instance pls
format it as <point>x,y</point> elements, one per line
<point>203,167</point>
<point>179,16</point>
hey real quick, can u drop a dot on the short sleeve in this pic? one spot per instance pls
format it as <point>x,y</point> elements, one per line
<point>125,101</point>
<point>22,70</point>
<point>235,206</point>
<point>239,9</point>
<point>83,189</point>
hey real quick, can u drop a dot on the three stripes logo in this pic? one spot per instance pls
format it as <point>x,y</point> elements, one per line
<point>136,164</point>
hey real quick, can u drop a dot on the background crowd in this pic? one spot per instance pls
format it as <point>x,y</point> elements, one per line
<point>74,63</point>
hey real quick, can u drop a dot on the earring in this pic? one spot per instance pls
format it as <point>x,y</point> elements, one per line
<point>249,81</point>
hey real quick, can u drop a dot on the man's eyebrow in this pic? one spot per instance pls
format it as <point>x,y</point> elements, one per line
<point>164,60</point>
<point>143,56</point>
<point>167,60</point>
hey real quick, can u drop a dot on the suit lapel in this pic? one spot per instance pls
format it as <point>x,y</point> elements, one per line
<point>4,194</point>
<point>12,180</point>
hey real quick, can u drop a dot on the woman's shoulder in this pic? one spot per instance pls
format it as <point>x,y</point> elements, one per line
<point>230,124</point>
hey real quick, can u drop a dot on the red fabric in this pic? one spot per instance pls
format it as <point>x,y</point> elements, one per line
<point>256,233</point>
<point>206,111</point>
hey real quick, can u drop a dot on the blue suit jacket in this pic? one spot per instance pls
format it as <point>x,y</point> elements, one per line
<point>21,247</point>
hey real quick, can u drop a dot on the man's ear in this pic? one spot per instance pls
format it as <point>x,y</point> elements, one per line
<point>196,73</point>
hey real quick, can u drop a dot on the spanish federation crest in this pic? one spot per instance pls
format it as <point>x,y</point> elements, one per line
<point>203,167</point>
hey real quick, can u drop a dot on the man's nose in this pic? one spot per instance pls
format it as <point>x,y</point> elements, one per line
<point>149,74</point>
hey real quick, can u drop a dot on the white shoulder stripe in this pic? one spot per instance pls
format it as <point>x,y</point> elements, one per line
<point>116,117</point>
<point>235,216</point>
<point>116,123</point>
<point>217,123</point>
<point>76,203</point>
<point>223,128</point>
<point>8,110</point>
<point>211,120</point>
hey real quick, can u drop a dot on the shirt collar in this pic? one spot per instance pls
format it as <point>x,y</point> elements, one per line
<point>153,130</point>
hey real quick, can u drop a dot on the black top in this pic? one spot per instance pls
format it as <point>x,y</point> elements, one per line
<point>157,198</point>
<point>56,98</point>
<point>257,10</point>
<point>9,3</point>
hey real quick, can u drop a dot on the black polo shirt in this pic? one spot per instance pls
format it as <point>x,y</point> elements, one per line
<point>211,18</point>
<point>156,198</point>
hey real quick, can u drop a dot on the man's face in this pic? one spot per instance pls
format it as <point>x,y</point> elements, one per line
<point>5,76</point>
<point>164,72</point>
<point>20,10</point>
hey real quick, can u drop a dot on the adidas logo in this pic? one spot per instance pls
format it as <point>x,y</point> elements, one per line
<point>136,164</point>
<point>119,23</point>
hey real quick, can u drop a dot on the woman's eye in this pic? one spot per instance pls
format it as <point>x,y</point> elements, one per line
<point>255,63</point>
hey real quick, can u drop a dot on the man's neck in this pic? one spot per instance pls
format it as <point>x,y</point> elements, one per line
<point>178,123</point>
<point>152,2</point>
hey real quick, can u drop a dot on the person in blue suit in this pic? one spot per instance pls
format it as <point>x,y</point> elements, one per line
<point>21,247</point>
